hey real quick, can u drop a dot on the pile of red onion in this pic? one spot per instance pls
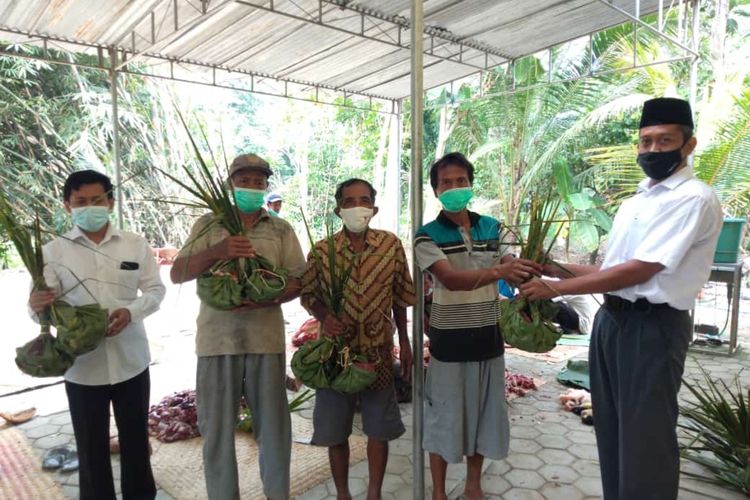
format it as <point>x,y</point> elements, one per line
<point>175,417</point>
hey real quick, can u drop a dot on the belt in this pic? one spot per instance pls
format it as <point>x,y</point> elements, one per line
<point>620,304</point>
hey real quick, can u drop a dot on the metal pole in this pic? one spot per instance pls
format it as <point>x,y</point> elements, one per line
<point>635,32</point>
<point>399,151</point>
<point>694,63</point>
<point>115,136</point>
<point>417,137</point>
<point>645,25</point>
<point>660,22</point>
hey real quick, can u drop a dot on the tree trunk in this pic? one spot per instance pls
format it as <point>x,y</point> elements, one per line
<point>444,131</point>
<point>718,41</point>
<point>378,170</point>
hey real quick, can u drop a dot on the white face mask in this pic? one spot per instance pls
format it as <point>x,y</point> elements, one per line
<point>356,219</point>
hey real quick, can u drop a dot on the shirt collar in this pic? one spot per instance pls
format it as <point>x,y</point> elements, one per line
<point>77,233</point>
<point>264,214</point>
<point>443,219</point>
<point>371,238</point>
<point>670,182</point>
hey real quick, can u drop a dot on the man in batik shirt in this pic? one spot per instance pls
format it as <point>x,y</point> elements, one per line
<point>377,294</point>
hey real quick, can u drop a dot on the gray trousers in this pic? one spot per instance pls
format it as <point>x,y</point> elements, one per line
<point>636,361</point>
<point>221,380</point>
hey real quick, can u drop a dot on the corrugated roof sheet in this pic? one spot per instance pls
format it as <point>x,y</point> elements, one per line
<point>359,47</point>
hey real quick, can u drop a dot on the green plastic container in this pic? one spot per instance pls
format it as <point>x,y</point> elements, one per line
<point>728,247</point>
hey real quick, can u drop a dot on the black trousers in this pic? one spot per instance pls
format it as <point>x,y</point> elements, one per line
<point>89,412</point>
<point>567,318</point>
<point>636,361</point>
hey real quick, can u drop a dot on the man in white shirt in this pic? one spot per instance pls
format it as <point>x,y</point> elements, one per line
<point>660,252</point>
<point>113,266</point>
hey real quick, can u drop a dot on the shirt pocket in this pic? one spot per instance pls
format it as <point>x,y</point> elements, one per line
<point>125,283</point>
<point>637,231</point>
<point>268,248</point>
<point>486,257</point>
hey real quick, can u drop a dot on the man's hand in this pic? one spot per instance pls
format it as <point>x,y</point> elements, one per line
<point>332,327</point>
<point>538,289</point>
<point>406,358</point>
<point>233,247</point>
<point>118,320</point>
<point>249,305</point>
<point>41,300</point>
<point>551,269</point>
<point>519,270</point>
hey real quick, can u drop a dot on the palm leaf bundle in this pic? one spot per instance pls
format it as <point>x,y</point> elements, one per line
<point>245,418</point>
<point>334,274</point>
<point>79,329</point>
<point>527,325</point>
<point>327,362</point>
<point>717,423</point>
<point>229,283</point>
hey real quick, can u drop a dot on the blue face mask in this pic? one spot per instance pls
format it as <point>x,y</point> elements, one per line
<point>91,218</point>
<point>273,212</point>
<point>248,200</point>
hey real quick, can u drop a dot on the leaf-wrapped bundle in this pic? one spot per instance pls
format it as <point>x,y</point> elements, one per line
<point>354,378</point>
<point>528,326</point>
<point>80,329</point>
<point>264,280</point>
<point>220,290</point>
<point>231,283</point>
<point>40,358</point>
<point>312,363</point>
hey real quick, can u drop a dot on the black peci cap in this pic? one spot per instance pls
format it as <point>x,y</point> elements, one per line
<point>666,111</point>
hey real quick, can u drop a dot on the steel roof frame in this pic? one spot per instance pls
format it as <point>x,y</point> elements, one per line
<point>103,63</point>
<point>249,80</point>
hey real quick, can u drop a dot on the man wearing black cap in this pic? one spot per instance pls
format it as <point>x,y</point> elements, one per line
<point>242,352</point>
<point>660,252</point>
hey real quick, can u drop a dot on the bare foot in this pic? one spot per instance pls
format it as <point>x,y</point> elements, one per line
<point>439,496</point>
<point>374,496</point>
<point>472,494</point>
<point>344,496</point>
<point>114,445</point>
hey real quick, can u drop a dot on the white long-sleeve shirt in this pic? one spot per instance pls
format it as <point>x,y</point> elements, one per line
<point>82,272</point>
<point>675,223</point>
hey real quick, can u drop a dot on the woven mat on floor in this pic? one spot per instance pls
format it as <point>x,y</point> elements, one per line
<point>178,466</point>
<point>557,355</point>
<point>21,474</point>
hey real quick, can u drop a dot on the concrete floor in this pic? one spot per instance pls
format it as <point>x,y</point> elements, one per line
<point>553,455</point>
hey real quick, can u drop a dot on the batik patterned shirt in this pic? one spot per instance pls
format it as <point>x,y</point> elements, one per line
<point>379,280</point>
